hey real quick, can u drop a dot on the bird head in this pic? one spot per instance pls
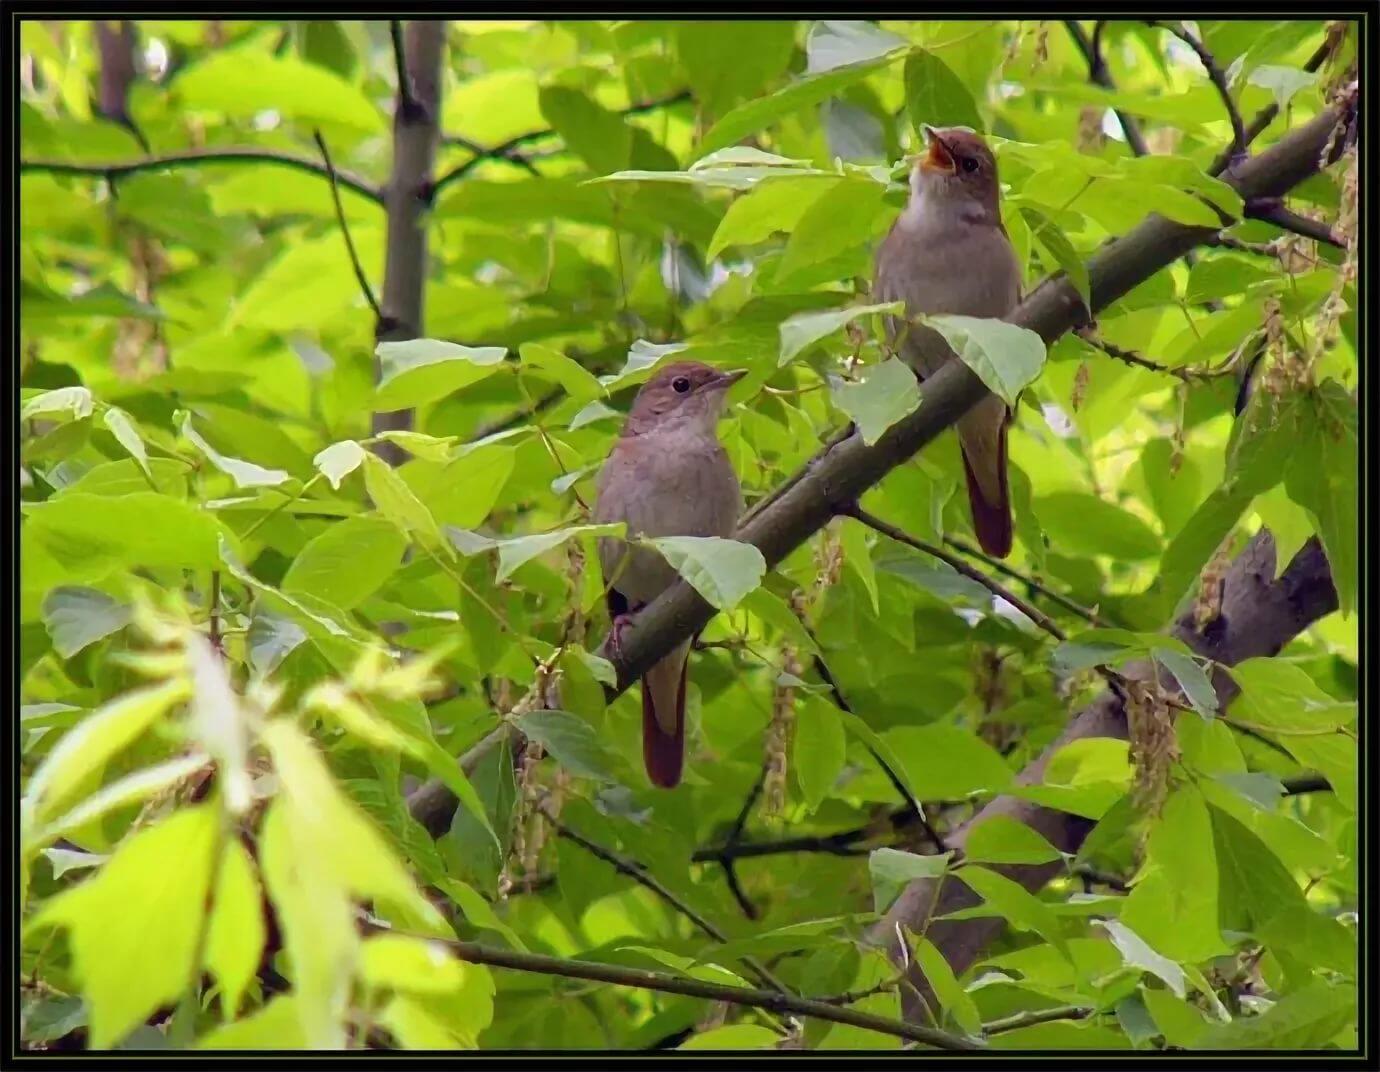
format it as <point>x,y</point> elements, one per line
<point>957,168</point>
<point>685,391</point>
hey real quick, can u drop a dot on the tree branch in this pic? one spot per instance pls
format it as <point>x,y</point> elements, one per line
<point>843,471</point>
<point>887,529</point>
<point>201,158</point>
<point>407,103</point>
<point>116,45</point>
<point>997,564</point>
<point>345,228</point>
<point>1037,1016</point>
<point>1186,373</point>
<point>1259,616</point>
<point>1240,142</point>
<point>771,1000</point>
<point>406,198</point>
<point>1272,210</point>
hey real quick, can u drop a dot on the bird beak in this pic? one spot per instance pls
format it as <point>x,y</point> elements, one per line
<point>940,157</point>
<point>724,380</point>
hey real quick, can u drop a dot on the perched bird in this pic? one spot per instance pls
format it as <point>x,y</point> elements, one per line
<point>667,475</point>
<point>949,253</point>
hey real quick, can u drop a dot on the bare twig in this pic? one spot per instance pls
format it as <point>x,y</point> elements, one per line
<point>201,158</point>
<point>1034,585</point>
<point>1240,142</point>
<point>406,101</point>
<point>891,531</point>
<point>1186,373</point>
<point>364,286</point>
<point>1098,73</point>
<point>771,1000</point>
<point>1037,1016</point>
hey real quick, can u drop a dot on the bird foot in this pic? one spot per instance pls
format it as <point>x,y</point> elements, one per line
<point>619,624</point>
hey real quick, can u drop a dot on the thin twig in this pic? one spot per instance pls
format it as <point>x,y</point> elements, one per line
<point>1186,373</point>
<point>507,150</point>
<point>1089,616</point>
<point>771,1000</point>
<point>1239,140</point>
<point>364,286</point>
<point>886,529</point>
<point>201,158</point>
<point>1037,1016</point>
<point>639,874</point>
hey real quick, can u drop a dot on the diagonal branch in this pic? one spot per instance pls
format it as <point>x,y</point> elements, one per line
<point>1034,585</point>
<point>843,471</point>
<point>201,158</point>
<point>1097,71</point>
<point>771,1000</point>
<point>1271,210</point>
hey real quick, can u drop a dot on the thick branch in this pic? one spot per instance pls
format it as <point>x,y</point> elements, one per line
<point>1259,615</point>
<point>201,158</point>
<point>843,471</point>
<point>771,1000</point>
<point>415,135</point>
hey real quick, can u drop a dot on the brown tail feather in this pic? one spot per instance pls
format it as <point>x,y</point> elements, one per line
<point>991,521</point>
<point>663,719</point>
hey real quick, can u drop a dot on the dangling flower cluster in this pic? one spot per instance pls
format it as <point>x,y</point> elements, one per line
<point>1207,608</point>
<point>1345,229</point>
<point>1091,137</point>
<point>1154,748</point>
<point>529,826</point>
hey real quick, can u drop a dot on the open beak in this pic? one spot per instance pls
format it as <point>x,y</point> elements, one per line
<point>940,157</point>
<point>724,380</point>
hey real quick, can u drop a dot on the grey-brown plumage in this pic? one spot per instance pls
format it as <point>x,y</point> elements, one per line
<point>949,253</point>
<point>667,475</point>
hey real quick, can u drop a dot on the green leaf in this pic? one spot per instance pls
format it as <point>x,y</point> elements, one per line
<point>101,735</point>
<point>887,394</point>
<point>1283,82</point>
<point>514,553</point>
<point>1020,908</point>
<point>578,382</point>
<point>1307,1019</point>
<point>733,1037</point>
<point>431,448</point>
<point>1003,840</point>
<point>1006,358</point>
<point>892,870</point>
<point>749,118</point>
<point>78,617</point>
<point>131,789</point>
<point>950,992</point>
<point>241,83</point>
<point>722,571</point>
<point>93,534</point>
<point>1080,523</point>
<point>858,557</point>
<point>1178,1021</point>
<point>277,1026</point>
<point>599,137</point>
<point>845,216</point>
<point>572,741</point>
<point>818,748</point>
<point>1137,954</point>
<point>1280,698</point>
<point>773,205</point>
<point>1192,678</point>
<point>834,44</point>
<point>935,95</point>
<point>728,61</point>
<point>418,371</point>
<point>339,460</point>
<point>244,474</point>
<point>126,433</point>
<point>75,402</point>
<point>799,331</point>
<point>1255,886</point>
<point>144,907</point>
<point>219,724</point>
<point>1056,246</point>
<point>943,762</point>
<point>1322,479</point>
<point>235,936</point>
<point>396,501</point>
<point>401,962</point>
<point>347,563</point>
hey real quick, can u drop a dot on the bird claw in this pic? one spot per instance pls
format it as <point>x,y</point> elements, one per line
<point>614,644</point>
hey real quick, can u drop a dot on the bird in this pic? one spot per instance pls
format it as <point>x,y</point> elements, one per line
<point>666,475</point>
<point>948,253</point>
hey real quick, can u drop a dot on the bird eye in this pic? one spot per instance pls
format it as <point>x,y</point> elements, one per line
<point>969,164</point>
<point>680,385</point>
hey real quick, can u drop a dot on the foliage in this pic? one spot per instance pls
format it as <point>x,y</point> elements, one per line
<point>245,638</point>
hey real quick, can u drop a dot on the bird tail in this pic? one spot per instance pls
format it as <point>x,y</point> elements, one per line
<point>984,464</point>
<point>663,718</point>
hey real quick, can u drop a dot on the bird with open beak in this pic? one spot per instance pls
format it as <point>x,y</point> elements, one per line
<point>949,253</point>
<point>667,475</point>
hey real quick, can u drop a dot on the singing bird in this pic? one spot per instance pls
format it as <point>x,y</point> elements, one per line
<point>949,253</point>
<point>667,475</point>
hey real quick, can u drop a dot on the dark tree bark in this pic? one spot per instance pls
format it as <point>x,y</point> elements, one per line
<point>407,198</point>
<point>1259,615</point>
